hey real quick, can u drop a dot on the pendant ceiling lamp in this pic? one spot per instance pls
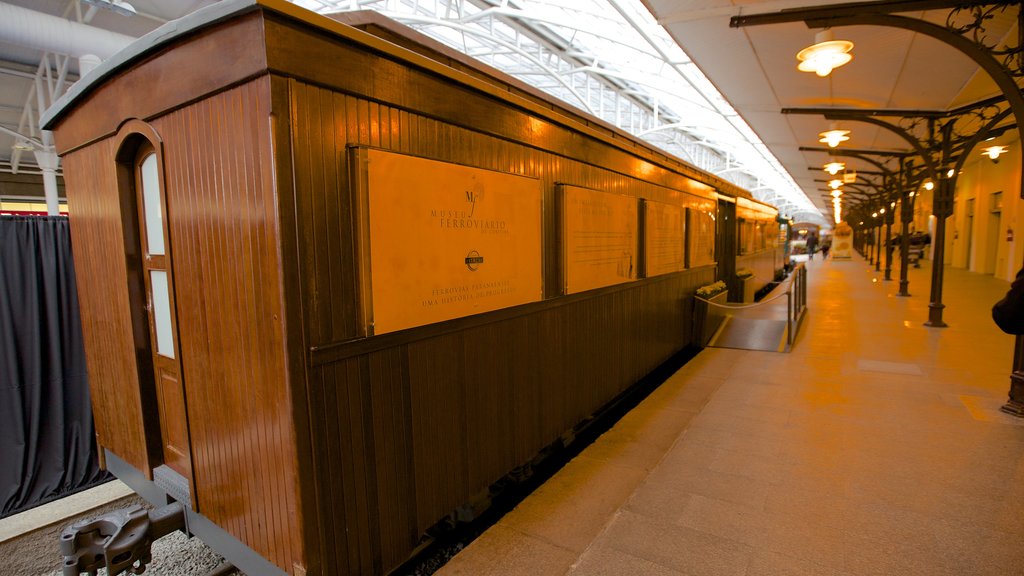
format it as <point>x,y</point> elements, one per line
<point>834,136</point>
<point>993,152</point>
<point>825,54</point>
<point>834,168</point>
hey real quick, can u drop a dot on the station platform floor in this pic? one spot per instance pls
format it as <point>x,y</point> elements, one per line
<point>874,447</point>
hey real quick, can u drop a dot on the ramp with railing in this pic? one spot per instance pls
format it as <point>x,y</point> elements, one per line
<point>769,325</point>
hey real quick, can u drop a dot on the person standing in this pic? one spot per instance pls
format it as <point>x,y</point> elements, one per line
<point>812,245</point>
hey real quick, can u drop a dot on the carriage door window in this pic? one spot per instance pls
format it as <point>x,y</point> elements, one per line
<point>160,312</point>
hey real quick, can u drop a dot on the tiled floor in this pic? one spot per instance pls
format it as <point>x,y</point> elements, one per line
<point>874,447</point>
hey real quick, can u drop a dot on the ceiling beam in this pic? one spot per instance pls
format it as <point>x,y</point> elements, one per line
<point>847,10</point>
<point>865,151</point>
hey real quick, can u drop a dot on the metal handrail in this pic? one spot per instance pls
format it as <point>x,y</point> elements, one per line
<point>797,304</point>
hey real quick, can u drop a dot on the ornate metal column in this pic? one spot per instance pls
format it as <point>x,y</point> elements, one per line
<point>890,217</point>
<point>906,216</point>
<point>942,139</point>
<point>878,244</point>
<point>964,30</point>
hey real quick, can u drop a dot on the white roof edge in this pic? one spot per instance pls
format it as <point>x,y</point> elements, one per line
<point>163,35</point>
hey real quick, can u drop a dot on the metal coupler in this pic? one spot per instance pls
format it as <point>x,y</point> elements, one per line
<point>119,540</point>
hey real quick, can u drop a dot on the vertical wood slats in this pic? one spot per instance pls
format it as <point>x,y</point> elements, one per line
<point>403,436</point>
<point>224,231</point>
<point>763,263</point>
<point>325,123</point>
<point>98,241</point>
<point>450,415</point>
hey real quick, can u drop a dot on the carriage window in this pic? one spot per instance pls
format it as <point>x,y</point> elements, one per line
<point>151,202</point>
<point>162,313</point>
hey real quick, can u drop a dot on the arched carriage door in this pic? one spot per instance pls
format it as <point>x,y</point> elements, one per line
<point>151,297</point>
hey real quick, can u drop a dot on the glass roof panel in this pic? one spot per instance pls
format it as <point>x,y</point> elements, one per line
<point>611,59</point>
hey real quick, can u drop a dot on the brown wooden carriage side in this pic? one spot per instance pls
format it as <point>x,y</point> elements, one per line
<point>314,448</point>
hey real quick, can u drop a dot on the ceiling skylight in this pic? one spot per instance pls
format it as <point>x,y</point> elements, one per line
<point>611,59</point>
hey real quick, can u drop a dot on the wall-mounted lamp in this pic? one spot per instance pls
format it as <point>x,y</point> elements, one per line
<point>993,152</point>
<point>834,168</point>
<point>911,195</point>
<point>825,55</point>
<point>950,172</point>
<point>929,185</point>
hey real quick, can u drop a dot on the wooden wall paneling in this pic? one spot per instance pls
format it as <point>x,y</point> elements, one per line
<point>525,407</point>
<point>393,455</point>
<point>178,176</point>
<point>367,74</point>
<point>763,263</point>
<point>223,225</point>
<point>282,173</point>
<point>554,379</point>
<point>98,240</point>
<point>489,378</point>
<point>333,451</point>
<point>331,543</point>
<point>352,465</point>
<point>214,58</point>
<point>464,394</point>
<point>438,427</point>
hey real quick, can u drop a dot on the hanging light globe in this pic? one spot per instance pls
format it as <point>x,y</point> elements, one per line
<point>834,136</point>
<point>834,168</point>
<point>825,54</point>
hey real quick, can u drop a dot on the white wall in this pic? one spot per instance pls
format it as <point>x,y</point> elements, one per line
<point>983,247</point>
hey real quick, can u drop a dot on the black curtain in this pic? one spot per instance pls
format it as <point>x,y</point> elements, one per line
<point>47,440</point>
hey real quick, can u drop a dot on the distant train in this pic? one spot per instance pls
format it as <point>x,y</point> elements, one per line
<point>339,280</point>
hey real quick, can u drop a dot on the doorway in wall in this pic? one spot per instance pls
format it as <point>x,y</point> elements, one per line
<point>995,226</point>
<point>969,231</point>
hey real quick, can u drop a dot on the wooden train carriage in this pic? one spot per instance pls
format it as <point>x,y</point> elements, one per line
<point>759,246</point>
<point>335,286</point>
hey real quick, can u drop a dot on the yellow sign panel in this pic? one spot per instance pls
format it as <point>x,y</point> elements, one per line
<point>663,238</point>
<point>701,237</point>
<point>842,242</point>
<point>448,241</point>
<point>599,238</point>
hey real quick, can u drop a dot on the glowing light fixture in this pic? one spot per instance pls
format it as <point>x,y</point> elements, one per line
<point>882,211</point>
<point>911,194</point>
<point>835,184</point>
<point>950,172</point>
<point>929,185</point>
<point>874,214</point>
<point>993,152</point>
<point>833,136</point>
<point>825,55</point>
<point>834,168</point>
<point>837,193</point>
